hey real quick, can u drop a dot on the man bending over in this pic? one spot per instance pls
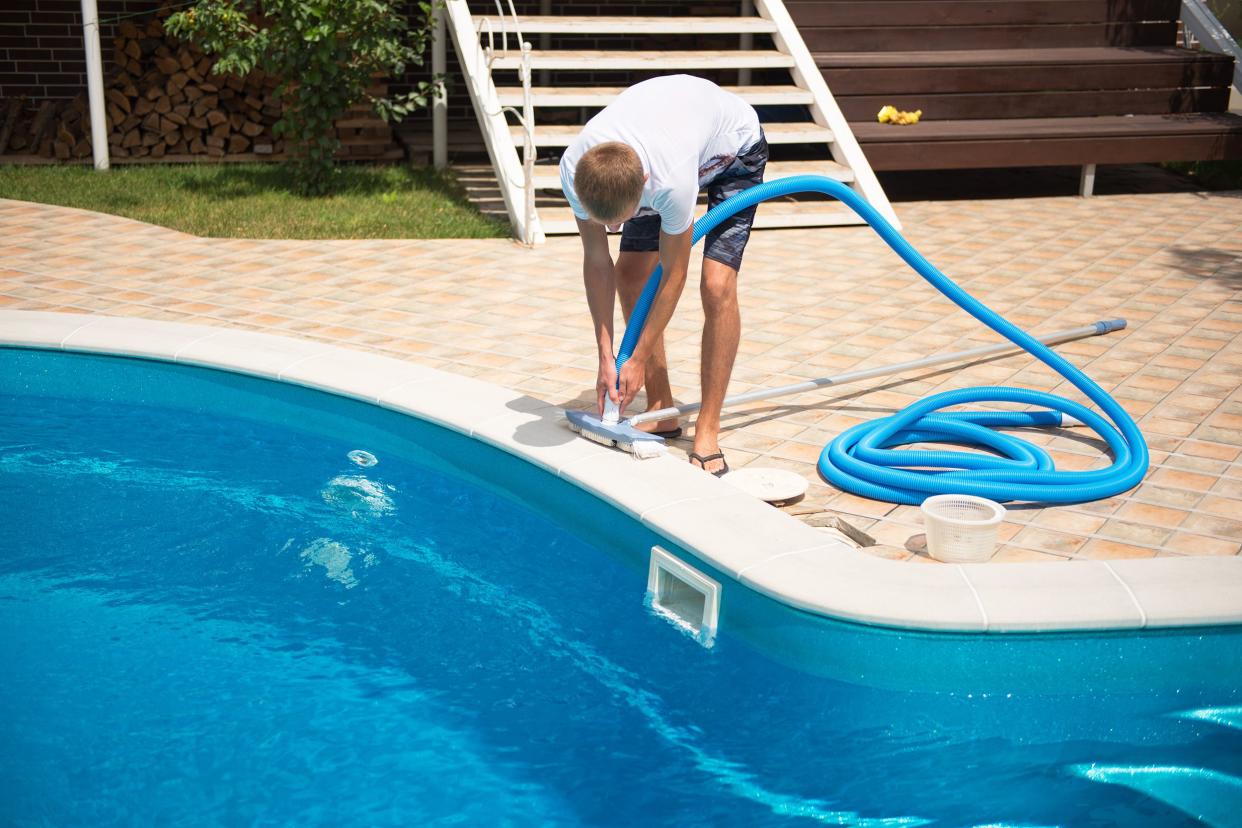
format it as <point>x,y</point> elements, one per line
<point>640,164</point>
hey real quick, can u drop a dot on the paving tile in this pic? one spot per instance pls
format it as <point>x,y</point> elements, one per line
<point>1150,515</point>
<point>1112,550</point>
<point>1183,479</point>
<point>1191,544</point>
<point>1221,527</point>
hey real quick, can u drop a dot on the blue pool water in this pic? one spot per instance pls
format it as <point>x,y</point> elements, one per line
<point>211,615</point>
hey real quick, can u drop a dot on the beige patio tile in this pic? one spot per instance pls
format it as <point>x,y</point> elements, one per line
<point>1016,554</point>
<point>1190,544</point>
<point>1105,550</point>
<point>1044,540</point>
<point>1151,515</point>
<point>1063,520</point>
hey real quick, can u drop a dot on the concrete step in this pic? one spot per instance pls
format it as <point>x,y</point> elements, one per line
<point>599,60</point>
<point>590,25</point>
<point>548,177</point>
<point>600,96</point>
<point>557,135</point>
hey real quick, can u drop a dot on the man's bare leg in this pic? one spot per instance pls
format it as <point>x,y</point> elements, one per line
<point>721,332</point>
<point>632,271</point>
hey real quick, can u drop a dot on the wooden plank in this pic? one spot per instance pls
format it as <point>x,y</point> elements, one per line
<point>953,107</point>
<point>927,132</point>
<point>1018,152</point>
<point>1205,71</point>
<point>648,60</point>
<point>812,13</point>
<point>628,25</point>
<point>923,58</point>
<point>557,135</point>
<point>876,39</point>
<point>599,96</point>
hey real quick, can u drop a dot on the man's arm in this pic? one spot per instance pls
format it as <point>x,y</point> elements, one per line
<point>675,260</point>
<point>600,282</point>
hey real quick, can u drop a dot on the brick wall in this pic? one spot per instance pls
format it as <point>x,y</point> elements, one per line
<point>41,51</point>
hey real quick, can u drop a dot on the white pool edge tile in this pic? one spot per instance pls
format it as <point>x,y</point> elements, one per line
<point>1148,603</point>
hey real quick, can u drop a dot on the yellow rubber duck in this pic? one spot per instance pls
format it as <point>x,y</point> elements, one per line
<point>893,115</point>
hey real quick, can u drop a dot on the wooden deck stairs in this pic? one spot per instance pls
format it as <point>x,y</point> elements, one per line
<point>1022,83</point>
<point>583,62</point>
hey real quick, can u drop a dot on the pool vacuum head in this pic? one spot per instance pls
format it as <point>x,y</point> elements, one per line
<point>622,435</point>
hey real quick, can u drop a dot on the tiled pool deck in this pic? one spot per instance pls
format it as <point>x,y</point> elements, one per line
<point>814,303</point>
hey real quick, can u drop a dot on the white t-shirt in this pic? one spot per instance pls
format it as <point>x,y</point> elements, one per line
<point>685,131</point>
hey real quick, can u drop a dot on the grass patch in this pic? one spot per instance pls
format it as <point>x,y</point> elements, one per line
<point>256,201</point>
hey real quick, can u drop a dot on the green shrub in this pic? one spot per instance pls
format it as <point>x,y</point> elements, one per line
<point>326,54</point>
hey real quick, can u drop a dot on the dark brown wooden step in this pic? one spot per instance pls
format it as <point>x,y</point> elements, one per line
<point>1083,103</point>
<point>932,145</point>
<point>813,13</point>
<point>905,38</point>
<point>1021,70</point>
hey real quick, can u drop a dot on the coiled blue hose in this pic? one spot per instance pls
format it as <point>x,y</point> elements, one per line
<point>863,459</point>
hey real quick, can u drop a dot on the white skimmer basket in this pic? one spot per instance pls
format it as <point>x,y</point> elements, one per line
<point>961,528</point>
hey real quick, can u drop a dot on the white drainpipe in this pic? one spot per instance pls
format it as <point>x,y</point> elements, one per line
<point>439,103</point>
<point>94,83</point>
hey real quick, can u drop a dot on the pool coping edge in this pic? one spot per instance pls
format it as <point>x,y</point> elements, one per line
<point>769,551</point>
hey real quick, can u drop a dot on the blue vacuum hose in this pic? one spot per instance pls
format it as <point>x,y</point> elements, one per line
<point>864,460</point>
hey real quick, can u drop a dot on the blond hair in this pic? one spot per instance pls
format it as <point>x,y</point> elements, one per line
<point>609,181</point>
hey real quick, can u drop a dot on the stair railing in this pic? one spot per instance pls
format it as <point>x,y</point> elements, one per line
<point>514,176</point>
<point>825,111</point>
<point>526,117</point>
<point>1200,24</point>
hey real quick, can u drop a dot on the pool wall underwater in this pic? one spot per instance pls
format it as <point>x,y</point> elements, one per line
<point>788,589</point>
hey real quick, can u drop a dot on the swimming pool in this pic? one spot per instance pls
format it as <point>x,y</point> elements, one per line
<point>214,614</point>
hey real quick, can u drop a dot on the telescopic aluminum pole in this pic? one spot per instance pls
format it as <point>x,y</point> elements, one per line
<point>1103,327</point>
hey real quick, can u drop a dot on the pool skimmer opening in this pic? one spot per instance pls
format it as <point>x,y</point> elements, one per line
<point>685,596</point>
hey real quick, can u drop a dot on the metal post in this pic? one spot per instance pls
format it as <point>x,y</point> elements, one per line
<point>439,104</point>
<point>1086,184</point>
<point>746,42</point>
<point>528,145</point>
<point>94,83</point>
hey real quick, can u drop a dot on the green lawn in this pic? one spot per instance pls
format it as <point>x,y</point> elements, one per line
<point>255,200</point>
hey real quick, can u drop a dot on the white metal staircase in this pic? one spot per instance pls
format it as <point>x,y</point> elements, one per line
<point>494,47</point>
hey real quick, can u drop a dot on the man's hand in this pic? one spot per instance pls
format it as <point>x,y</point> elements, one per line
<point>633,374</point>
<point>605,384</point>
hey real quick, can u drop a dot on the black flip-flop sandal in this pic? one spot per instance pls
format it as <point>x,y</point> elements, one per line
<point>703,461</point>
<point>671,434</point>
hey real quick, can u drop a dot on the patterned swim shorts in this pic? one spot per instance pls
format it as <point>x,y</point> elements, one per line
<point>726,243</point>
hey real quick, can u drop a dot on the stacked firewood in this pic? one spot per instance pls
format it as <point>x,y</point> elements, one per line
<point>163,99</point>
<point>163,102</point>
<point>48,128</point>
